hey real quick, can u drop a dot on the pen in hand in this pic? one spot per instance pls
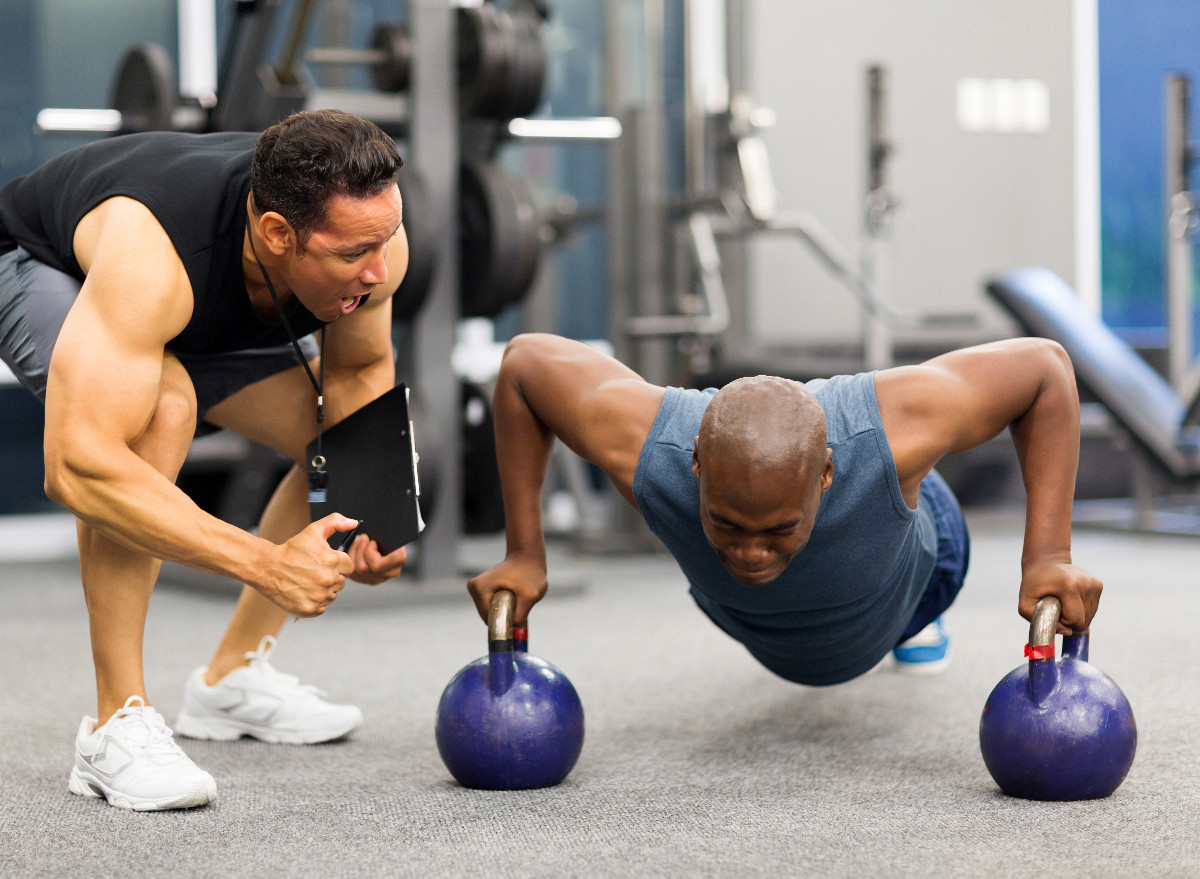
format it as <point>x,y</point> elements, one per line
<point>350,535</point>
<point>346,541</point>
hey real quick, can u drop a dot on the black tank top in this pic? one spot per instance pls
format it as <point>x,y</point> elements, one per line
<point>196,187</point>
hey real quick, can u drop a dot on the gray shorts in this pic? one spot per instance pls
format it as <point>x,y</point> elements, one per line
<point>35,299</point>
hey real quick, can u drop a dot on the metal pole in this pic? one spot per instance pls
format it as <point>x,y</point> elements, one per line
<point>1179,233</point>
<point>693,111</point>
<point>619,218</point>
<point>736,341</point>
<point>625,531</point>
<point>878,344</point>
<point>649,172</point>
<point>295,39</point>
<point>434,142</point>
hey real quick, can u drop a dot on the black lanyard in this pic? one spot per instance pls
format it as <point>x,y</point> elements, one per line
<point>317,477</point>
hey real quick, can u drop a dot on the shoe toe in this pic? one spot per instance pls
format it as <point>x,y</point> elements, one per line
<point>341,720</point>
<point>180,788</point>
<point>210,788</point>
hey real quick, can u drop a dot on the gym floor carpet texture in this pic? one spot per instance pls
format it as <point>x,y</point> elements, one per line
<point>697,762</point>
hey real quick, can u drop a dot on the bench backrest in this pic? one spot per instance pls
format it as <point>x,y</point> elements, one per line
<point>1129,388</point>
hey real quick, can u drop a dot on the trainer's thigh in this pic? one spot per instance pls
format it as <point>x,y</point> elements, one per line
<point>281,411</point>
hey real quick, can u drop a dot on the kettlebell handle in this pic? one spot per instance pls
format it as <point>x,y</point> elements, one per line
<point>501,671</point>
<point>500,619</point>
<point>1044,624</point>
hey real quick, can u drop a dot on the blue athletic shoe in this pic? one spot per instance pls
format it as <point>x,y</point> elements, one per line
<point>925,653</point>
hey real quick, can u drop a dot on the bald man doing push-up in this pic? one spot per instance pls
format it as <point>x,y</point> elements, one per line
<point>808,518</point>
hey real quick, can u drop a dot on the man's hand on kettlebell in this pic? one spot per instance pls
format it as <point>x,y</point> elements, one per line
<point>1078,591</point>
<point>525,577</point>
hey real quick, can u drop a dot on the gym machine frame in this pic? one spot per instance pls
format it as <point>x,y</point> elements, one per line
<point>740,202</point>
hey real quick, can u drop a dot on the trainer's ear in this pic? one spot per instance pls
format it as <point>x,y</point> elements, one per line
<point>277,233</point>
<point>696,458</point>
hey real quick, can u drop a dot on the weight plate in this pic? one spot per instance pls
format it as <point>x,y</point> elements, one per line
<point>392,75</point>
<point>144,89</point>
<point>422,246</point>
<point>501,63</point>
<point>529,68</point>
<point>478,58</point>
<point>500,246</point>
<point>504,84</point>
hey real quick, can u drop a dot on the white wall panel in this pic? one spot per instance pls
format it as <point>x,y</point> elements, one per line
<point>971,202</point>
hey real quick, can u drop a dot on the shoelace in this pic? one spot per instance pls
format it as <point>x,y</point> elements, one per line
<point>258,662</point>
<point>147,731</point>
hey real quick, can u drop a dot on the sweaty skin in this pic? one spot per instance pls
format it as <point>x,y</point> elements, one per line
<point>120,416</point>
<point>551,387</point>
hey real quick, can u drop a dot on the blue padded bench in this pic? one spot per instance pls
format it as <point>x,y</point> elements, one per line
<point>1137,396</point>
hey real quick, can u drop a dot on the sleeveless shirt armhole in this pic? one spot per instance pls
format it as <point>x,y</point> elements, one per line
<point>885,452</point>
<point>158,211</point>
<point>665,410</point>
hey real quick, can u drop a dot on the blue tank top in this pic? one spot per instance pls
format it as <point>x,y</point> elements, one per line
<point>844,601</point>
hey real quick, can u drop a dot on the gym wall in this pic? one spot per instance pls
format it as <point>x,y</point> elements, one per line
<point>970,203</point>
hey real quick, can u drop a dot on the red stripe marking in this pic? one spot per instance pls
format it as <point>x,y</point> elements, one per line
<point>1039,651</point>
<point>520,634</point>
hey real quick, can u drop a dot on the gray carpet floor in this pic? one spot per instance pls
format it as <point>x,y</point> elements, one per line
<point>697,761</point>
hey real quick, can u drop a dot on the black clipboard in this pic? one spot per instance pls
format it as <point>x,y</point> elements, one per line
<point>371,460</point>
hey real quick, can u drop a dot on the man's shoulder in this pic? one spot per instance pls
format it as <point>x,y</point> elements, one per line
<point>678,418</point>
<point>849,403</point>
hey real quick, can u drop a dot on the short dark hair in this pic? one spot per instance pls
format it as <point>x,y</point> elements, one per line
<point>301,162</point>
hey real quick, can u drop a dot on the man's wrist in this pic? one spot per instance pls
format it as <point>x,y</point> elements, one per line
<point>252,560</point>
<point>535,554</point>
<point>1034,561</point>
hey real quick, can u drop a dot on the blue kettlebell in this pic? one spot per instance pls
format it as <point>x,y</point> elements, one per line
<point>509,721</point>
<point>1057,730</point>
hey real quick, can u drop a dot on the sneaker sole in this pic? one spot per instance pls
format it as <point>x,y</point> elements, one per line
<point>219,729</point>
<point>201,793</point>
<point>933,667</point>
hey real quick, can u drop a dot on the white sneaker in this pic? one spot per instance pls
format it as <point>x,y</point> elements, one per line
<point>133,762</point>
<point>258,700</point>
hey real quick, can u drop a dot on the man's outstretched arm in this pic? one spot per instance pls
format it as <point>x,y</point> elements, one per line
<point>553,387</point>
<point>962,399</point>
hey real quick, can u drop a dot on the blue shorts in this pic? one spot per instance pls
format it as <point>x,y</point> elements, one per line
<point>35,299</point>
<point>953,554</point>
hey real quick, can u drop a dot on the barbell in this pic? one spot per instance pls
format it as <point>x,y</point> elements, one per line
<point>501,61</point>
<point>389,56</point>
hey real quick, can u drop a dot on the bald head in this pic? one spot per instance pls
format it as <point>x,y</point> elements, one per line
<point>763,464</point>
<point>765,423</point>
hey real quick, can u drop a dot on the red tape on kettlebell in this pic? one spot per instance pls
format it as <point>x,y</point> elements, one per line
<point>1039,651</point>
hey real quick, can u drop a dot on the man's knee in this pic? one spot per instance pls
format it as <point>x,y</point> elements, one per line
<point>165,442</point>
<point>175,414</point>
